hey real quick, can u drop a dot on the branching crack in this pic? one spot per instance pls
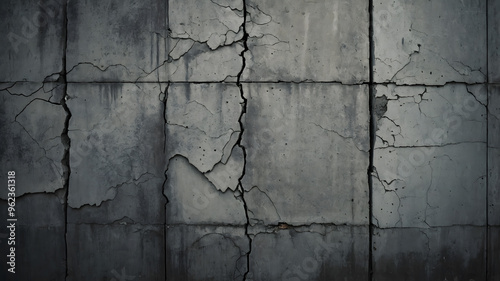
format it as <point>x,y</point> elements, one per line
<point>244,104</point>
<point>95,66</point>
<point>467,88</point>
<point>409,61</point>
<point>274,206</point>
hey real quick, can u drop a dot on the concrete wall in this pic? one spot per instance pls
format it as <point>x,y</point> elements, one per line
<point>251,139</point>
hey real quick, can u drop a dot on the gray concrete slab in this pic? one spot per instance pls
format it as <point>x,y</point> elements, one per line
<point>430,116</point>
<point>32,35</point>
<point>445,187</point>
<point>116,133</point>
<point>310,253</point>
<point>32,122</point>
<point>429,42</point>
<point>139,202</point>
<point>295,137</point>
<point>313,41</point>
<point>430,155</point>
<point>449,253</point>
<point>115,40</point>
<point>202,123</point>
<point>206,253</point>
<point>193,199</point>
<point>116,252</point>
<point>153,41</point>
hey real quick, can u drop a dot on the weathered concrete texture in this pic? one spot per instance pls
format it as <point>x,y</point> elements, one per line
<point>31,122</point>
<point>202,123</point>
<point>144,41</point>
<point>196,62</point>
<point>493,253</point>
<point>449,253</point>
<point>493,41</point>
<point>205,40</point>
<point>216,23</point>
<point>430,155</point>
<point>494,155</point>
<point>430,186</point>
<point>313,41</point>
<point>199,253</point>
<point>32,40</point>
<point>193,199</point>
<point>116,133</point>
<point>115,252</point>
<point>115,40</point>
<point>430,116</point>
<point>140,201</point>
<point>307,146</point>
<point>310,253</point>
<point>39,240</point>
<point>413,42</point>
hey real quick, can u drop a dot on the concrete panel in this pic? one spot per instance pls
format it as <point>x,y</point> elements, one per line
<point>307,145</point>
<point>446,187</point>
<point>493,41</point>
<point>312,41</point>
<point>136,202</point>
<point>205,40</point>
<point>115,252</point>
<point>193,199</point>
<point>32,122</point>
<point>310,253</point>
<point>430,116</point>
<point>493,253</point>
<point>429,42</point>
<point>115,133</point>
<point>206,253</point>
<point>449,253</point>
<point>202,123</point>
<point>115,40</point>
<point>39,241</point>
<point>430,155</point>
<point>32,33</point>
<point>130,41</point>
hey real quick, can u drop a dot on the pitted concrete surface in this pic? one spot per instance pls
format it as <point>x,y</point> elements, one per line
<point>251,139</point>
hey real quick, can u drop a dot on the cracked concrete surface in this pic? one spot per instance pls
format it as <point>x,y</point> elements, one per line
<point>251,139</point>
<point>431,116</point>
<point>447,187</point>
<point>293,135</point>
<point>153,43</point>
<point>200,122</point>
<point>195,200</point>
<point>315,41</point>
<point>112,145</point>
<point>429,156</point>
<point>429,42</point>
<point>33,121</point>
